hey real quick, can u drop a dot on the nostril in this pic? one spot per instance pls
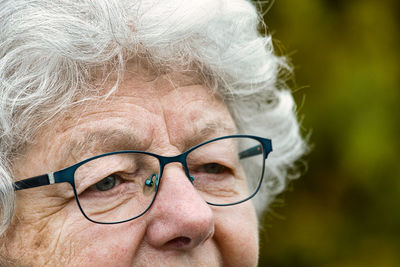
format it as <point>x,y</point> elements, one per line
<point>179,242</point>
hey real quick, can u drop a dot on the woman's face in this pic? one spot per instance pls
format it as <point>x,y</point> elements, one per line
<point>180,229</point>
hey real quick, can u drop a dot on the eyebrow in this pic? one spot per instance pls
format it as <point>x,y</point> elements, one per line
<point>103,141</point>
<point>209,130</point>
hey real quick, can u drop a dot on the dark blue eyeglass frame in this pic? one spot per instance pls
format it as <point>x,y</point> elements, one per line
<point>66,175</point>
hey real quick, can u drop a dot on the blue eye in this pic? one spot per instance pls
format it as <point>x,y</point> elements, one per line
<point>107,183</point>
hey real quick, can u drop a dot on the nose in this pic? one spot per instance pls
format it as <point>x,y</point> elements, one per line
<point>179,219</point>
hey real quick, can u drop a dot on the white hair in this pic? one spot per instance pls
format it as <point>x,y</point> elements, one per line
<point>51,49</point>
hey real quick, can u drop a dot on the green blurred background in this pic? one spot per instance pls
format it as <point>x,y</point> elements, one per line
<point>345,210</point>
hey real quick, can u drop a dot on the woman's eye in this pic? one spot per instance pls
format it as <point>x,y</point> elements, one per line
<point>107,183</point>
<point>214,168</point>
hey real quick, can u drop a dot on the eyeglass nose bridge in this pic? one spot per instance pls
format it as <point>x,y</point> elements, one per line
<point>178,158</point>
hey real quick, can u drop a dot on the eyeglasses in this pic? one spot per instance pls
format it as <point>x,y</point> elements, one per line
<point>121,186</point>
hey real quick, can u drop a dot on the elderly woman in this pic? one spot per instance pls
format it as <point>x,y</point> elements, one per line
<point>129,132</point>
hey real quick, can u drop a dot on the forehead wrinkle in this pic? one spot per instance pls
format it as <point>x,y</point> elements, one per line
<point>108,140</point>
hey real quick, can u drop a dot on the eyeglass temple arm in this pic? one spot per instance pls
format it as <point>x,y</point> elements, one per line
<point>36,181</point>
<point>252,151</point>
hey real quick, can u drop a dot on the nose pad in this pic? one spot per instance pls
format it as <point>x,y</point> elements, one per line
<point>153,179</point>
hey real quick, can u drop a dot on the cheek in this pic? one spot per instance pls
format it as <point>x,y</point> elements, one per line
<point>109,243</point>
<point>42,239</point>
<point>71,240</point>
<point>236,233</point>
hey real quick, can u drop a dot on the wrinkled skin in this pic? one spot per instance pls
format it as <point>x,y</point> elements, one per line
<point>180,229</point>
